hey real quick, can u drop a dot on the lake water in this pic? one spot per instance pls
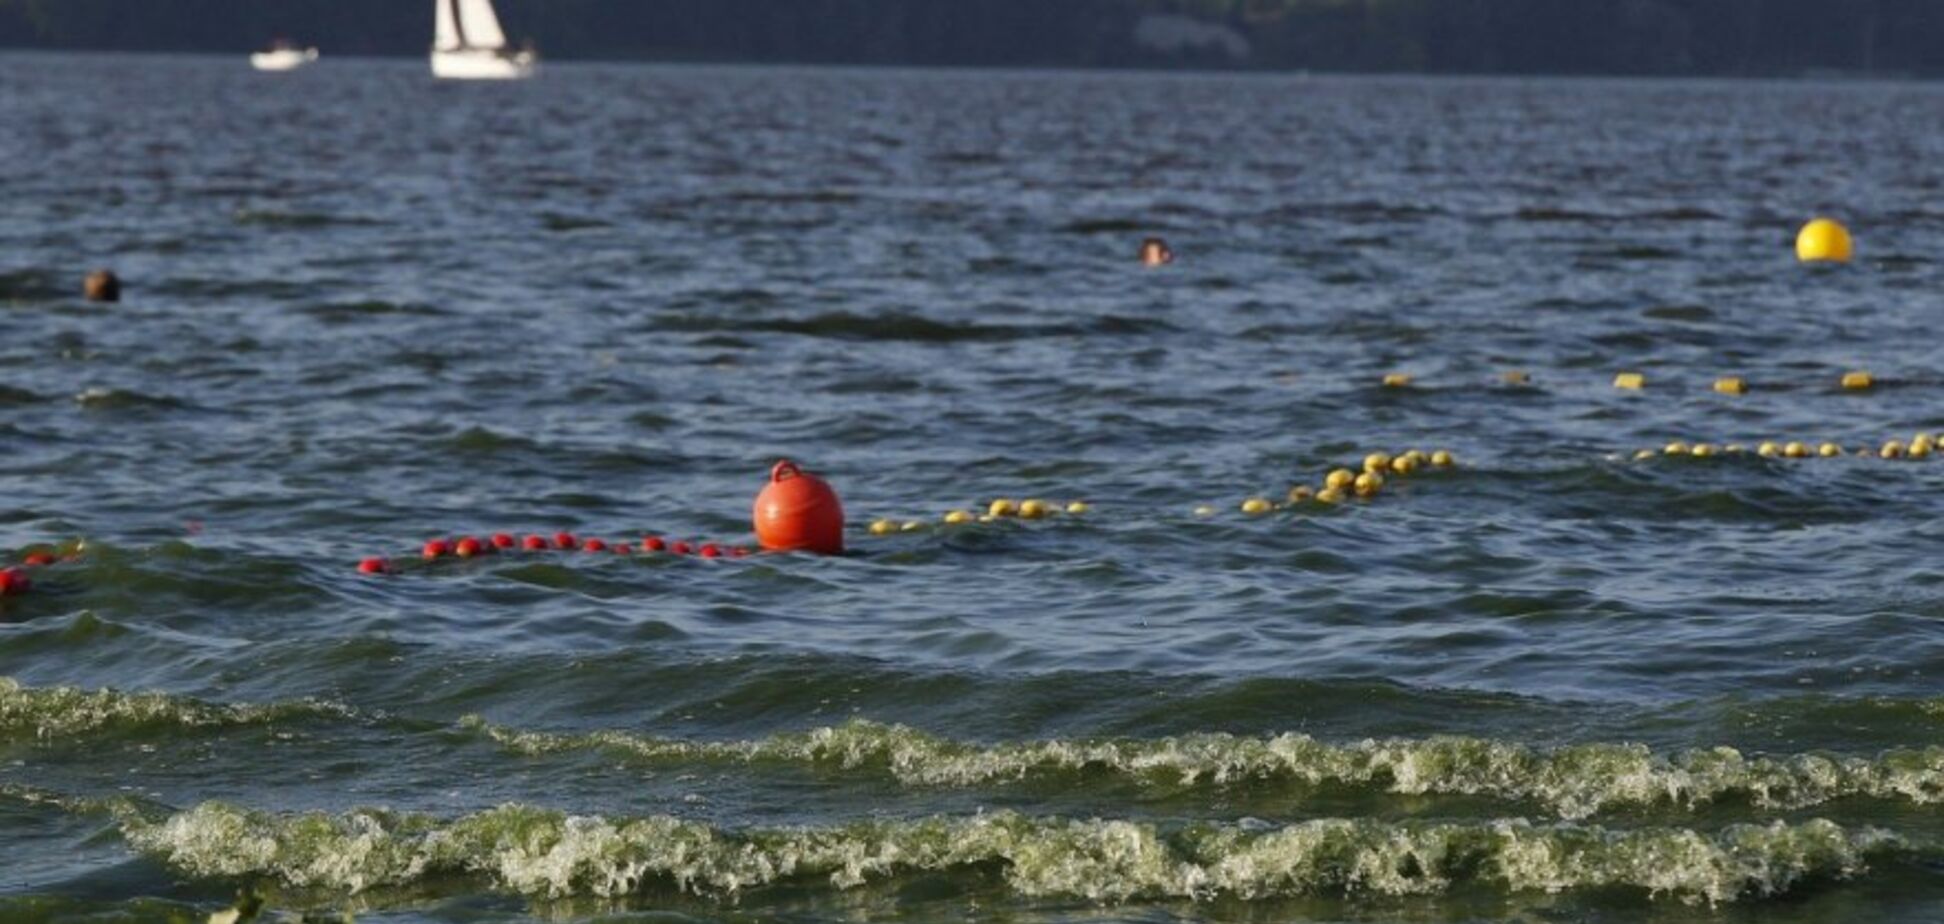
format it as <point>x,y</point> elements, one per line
<point>1550,683</point>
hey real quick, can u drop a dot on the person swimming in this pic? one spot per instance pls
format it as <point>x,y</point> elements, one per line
<point>1155,252</point>
<point>101,286</point>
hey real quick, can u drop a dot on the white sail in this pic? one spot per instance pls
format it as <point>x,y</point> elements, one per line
<point>480,25</point>
<point>470,45</point>
<point>446,34</point>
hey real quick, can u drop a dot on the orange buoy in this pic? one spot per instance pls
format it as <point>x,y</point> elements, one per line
<point>798,512</point>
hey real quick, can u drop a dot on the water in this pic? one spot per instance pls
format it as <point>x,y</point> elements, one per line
<point>1551,683</point>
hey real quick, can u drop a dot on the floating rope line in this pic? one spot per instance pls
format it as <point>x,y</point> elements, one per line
<point>14,580</point>
<point>1003,508</point>
<point>470,547</point>
<point>1920,447</point>
<point>1733,385</point>
<point>1343,484</point>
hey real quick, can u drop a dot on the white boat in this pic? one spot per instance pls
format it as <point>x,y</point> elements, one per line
<point>283,56</point>
<point>468,44</point>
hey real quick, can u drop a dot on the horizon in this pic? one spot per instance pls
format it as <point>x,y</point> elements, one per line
<point>1812,76</point>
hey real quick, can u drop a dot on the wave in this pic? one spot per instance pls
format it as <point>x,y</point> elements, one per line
<point>119,399</point>
<point>346,312</point>
<point>283,219</point>
<point>540,852</point>
<point>841,325</point>
<point>66,713</point>
<point>1573,782</point>
<point>10,395</point>
<point>36,285</point>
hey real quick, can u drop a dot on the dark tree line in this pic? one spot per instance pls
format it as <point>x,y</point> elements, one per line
<point>1730,37</point>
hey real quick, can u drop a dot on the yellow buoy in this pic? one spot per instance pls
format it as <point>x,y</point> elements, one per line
<point>1858,381</point>
<point>1768,449</point>
<point>1330,496</point>
<point>1644,455</point>
<point>1404,465</point>
<point>912,526</point>
<point>1443,458</point>
<point>1796,451</point>
<point>957,517</point>
<point>1516,377</point>
<point>1922,450</point>
<point>1078,508</point>
<point>1824,240</point>
<point>1829,450</point>
<point>1301,493</point>
<point>1676,448</point>
<point>1418,457</point>
<point>883,528</point>
<point>1893,449</point>
<point>1339,480</point>
<point>1003,507</point>
<point>1735,449</point>
<point>1033,509</point>
<point>1630,381</point>
<point>1704,450</point>
<point>1731,386</point>
<point>1257,506</point>
<point>1377,462</point>
<point>1369,483</point>
<point>1204,511</point>
<point>1397,380</point>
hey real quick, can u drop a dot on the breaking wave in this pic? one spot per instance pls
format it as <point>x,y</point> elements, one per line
<point>63,713</point>
<point>539,852</point>
<point>1574,782</point>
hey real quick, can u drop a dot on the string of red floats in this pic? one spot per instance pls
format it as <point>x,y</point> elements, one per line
<point>468,547</point>
<point>796,512</point>
<point>14,580</point>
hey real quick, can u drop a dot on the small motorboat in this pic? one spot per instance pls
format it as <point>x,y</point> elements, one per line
<point>283,56</point>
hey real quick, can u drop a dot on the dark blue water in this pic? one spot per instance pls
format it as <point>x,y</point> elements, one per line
<point>1551,681</point>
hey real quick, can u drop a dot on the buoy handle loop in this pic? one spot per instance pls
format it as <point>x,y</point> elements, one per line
<point>785,469</point>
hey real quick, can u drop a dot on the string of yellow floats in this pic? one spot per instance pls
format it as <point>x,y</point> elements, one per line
<point>1379,470</point>
<point>1337,486</point>
<point>1919,447</point>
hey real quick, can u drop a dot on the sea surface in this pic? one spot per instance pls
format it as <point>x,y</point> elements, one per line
<point>1550,682</point>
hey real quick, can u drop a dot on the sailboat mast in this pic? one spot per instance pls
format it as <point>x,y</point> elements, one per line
<point>458,23</point>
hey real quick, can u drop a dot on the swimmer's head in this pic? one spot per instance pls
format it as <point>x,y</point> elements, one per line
<point>101,286</point>
<point>1155,252</point>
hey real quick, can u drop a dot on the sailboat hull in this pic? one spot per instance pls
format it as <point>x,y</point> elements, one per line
<point>482,64</point>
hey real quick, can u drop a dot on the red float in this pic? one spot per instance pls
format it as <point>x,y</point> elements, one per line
<point>798,512</point>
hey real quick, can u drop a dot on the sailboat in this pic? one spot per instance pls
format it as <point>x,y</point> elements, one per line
<point>469,45</point>
<point>282,56</point>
